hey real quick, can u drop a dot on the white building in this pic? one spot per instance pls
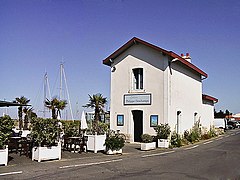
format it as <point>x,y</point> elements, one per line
<point>150,85</point>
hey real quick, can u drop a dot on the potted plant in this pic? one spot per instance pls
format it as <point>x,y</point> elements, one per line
<point>163,132</point>
<point>6,125</point>
<point>97,137</point>
<point>114,144</point>
<point>147,142</point>
<point>45,134</point>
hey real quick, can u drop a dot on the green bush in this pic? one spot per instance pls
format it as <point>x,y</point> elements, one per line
<point>212,132</point>
<point>6,125</point>
<point>45,132</point>
<point>71,128</point>
<point>205,136</point>
<point>103,127</point>
<point>163,131</point>
<point>146,138</point>
<point>176,140</point>
<point>194,134</point>
<point>114,142</point>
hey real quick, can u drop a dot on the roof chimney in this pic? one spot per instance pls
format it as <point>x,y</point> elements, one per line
<point>187,57</point>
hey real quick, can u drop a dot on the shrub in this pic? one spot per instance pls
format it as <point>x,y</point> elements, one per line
<point>71,128</point>
<point>114,142</point>
<point>194,134</point>
<point>45,132</point>
<point>6,125</point>
<point>212,132</point>
<point>205,136</point>
<point>103,127</point>
<point>146,138</point>
<point>184,141</point>
<point>186,134</point>
<point>176,140</point>
<point>163,131</point>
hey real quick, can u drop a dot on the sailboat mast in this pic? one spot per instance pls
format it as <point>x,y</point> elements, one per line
<point>46,87</point>
<point>61,74</point>
<point>65,80</point>
<point>44,94</point>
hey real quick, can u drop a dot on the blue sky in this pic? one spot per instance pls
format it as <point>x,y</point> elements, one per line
<point>36,35</point>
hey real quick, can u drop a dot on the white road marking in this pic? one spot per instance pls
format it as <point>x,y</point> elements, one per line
<point>192,147</point>
<point>227,136</point>
<point>90,164</point>
<point>237,132</point>
<point>158,154</point>
<point>11,173</point>
<point>208,142</point>
<point>232,134</point>
<point>219,138</point>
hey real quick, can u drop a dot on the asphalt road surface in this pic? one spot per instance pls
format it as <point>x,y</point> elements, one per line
<point>212,159</point>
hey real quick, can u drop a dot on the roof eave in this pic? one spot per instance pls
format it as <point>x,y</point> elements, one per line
<point>210,98</point>
<point>135,40</point>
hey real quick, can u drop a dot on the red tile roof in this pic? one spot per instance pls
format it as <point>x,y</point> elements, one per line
<point>169,53</point>
<point>210,98</point>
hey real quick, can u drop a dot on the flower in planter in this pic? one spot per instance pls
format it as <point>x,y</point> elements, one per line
<point>114,142</point>
<point>71,128</point>
<point>163,131</point>
<point>96,102</point>
<point>146,138</point>
<point>45,132</point>
<point>6,125</point>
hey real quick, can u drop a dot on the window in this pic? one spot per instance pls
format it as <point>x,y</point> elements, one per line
<point>178,121</point>
<point>153,120</point>
<point>195,117</point>
<point>120,120</point>
<point>138,78</point>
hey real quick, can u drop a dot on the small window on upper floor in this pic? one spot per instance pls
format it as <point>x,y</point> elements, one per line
<point>138,78</point>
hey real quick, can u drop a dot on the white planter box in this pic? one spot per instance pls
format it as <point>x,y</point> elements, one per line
<point>163,143</point>
<point>25,133</point>
<point>112,152</point>
<point>46,153</point>
<point>96,143</point>
<point>148,146</point>
<point>4,156</point>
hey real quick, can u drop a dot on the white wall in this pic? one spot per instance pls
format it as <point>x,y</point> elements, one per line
<point>173,89</point>
<point>152,62</point>
<point>207,114</point>
<point>185,96</point>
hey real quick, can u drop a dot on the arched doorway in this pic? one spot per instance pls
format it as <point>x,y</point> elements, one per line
<point>138,124</point>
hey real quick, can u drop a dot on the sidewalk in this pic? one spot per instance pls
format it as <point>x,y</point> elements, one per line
<point>17,160</point>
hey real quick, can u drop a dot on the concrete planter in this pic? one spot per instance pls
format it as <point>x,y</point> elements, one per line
<point>112,152</point>
<point>4,156</point>
<point>96,143</point>
<point>46,153</point>
<point>148,146</point>
<point>163,143</point>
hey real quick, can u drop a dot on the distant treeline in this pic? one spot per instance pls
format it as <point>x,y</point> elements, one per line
<point>221,114</point>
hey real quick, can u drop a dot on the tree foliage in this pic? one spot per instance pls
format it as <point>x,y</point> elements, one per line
<point>96,102</point>
<point>55,105</point>
<point>6,125</point>
<point>222,114</point>
<point>45,132</point>
<point>23,101</point>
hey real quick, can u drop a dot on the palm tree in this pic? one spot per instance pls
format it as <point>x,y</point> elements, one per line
<point>23,101</point>
<point>29,114</point>
<point>60,106</point>
<point>96,102</point>
<point>55,106</point>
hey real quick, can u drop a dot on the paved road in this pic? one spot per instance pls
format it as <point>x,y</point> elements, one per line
<point>213,159</point>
